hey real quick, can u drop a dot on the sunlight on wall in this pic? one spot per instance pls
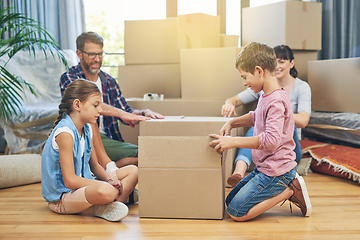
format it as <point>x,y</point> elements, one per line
<point>198,6</point>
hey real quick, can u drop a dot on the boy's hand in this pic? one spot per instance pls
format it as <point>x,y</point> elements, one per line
<point>222,143</point>
<point>225,130</point>
<point>228,109</point>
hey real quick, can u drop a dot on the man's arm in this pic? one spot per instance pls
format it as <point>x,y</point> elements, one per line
<point>129,118</point>
<point>148,113</point>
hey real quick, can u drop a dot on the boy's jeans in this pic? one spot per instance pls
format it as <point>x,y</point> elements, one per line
<point>256,187</point>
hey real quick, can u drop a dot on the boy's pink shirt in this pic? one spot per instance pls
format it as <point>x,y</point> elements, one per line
<point>273,122</point>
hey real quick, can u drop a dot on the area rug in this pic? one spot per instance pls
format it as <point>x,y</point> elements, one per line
<point>336,160</point>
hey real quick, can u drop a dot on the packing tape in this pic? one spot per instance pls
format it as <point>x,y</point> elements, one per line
<point>304,6</point>
<point>303,43</point>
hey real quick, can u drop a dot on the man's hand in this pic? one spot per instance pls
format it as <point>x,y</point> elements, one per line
<point>132,119</point>
<point>153,115</point>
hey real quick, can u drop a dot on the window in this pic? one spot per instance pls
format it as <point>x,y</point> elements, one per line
<point>106,17</point>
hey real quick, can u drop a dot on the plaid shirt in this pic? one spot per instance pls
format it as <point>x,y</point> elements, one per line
<point>111,95</point>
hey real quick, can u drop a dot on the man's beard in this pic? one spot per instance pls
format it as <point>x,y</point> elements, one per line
<point>91,70</point>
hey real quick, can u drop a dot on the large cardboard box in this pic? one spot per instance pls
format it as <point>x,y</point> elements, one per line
<point>151,41</point>
<point>209,73</point>
<point>198,30</point>
<point>136,80</point>
<point>293,23</point>
<point>192,126</point>
<point>184,107</point>
<point>334,85</point>
<point>183,126</point>
<point>302,57</point>
<point>180,177</point>
<point>176,107</point>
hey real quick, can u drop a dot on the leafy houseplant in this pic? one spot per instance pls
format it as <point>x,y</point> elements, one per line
<point>25,35</point>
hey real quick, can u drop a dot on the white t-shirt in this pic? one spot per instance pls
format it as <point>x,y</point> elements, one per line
<point>101,118</point>
<point>68,130</point>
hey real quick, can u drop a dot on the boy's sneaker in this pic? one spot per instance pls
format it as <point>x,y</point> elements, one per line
<point>133,197</point>
<point>300,197</point>
<point>112,212</point>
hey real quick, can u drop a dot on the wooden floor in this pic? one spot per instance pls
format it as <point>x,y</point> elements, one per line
<point>336,215</point>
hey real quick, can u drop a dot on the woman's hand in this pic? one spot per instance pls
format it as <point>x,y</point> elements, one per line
<point>227,110</point>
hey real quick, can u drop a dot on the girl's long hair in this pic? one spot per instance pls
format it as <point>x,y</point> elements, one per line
<point>79,89</point>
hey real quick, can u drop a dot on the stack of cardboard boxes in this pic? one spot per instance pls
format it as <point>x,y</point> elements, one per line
<point>293,23</point>
<point>180,175</point>
<point>193,65</point>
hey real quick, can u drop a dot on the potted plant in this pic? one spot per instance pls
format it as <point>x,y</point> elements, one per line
<point>25,34</point>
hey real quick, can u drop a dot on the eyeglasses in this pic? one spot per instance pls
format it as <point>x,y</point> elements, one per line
<point>93,55</point>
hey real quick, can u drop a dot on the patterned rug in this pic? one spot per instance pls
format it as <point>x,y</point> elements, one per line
<point>336,160</point>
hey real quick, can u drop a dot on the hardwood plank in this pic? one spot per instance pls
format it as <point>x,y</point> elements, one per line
<point>336,215</point>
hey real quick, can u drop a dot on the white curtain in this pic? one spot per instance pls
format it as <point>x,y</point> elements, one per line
<point>64,19</point>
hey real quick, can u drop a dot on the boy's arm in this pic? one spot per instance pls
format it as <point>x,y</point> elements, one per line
<point>243,121</point>
<point>222,143</point>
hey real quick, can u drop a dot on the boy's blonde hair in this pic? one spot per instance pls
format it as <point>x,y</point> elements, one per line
<point>256,54</point>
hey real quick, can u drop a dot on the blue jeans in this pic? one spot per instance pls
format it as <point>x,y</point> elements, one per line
<point>256,187</point>
<point>245,154</point>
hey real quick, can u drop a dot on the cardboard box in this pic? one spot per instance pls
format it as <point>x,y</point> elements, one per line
<point>183,107</point>
<point>302,57</point>
<point>136,80</point>
<point>334,85</point>
<point>183,126</point>
<point>180,177</point>
<point>130,134</point>
<point>198,30</point>
<point>192,126</point>
<point>151,41</point>
<point>293,23</point>
<point>229,40</point>
<point>209,73</point>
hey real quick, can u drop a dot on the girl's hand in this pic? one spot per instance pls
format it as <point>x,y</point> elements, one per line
<point>116,184</point>
<point>222,143</point>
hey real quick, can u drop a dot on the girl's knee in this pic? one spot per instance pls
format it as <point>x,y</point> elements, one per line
<point>130,170</point>
<point>107,193</point>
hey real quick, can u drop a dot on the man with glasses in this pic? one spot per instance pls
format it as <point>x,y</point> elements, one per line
<point>114,106</point>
